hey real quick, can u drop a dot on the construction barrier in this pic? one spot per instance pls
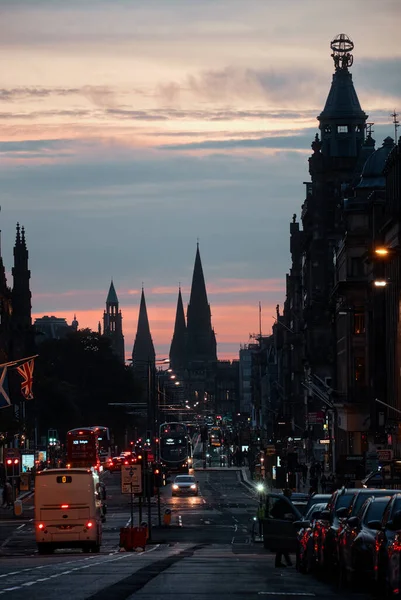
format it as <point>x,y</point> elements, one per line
<point>133,537</point>
<point>167,517</point>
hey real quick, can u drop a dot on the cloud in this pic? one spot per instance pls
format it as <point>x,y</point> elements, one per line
<point>299,141</point>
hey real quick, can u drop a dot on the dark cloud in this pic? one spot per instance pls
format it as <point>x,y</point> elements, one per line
<point>379,75</point>
<point>22,93</point>
<point>37,114</point>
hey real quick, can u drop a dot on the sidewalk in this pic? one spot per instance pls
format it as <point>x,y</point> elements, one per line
<point>8,511</point>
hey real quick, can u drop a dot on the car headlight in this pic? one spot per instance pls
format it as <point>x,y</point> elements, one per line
<point>193,486</point>
<point>175,486</point>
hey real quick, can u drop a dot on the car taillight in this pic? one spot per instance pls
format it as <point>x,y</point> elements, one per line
<point>41,525</point>
<point>65,506</point>
<point>89,524</point>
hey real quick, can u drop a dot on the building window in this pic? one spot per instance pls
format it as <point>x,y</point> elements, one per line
<point>356,267</point>
<point>359,323</point>
<point>360,369</point>
<point>342,128</point>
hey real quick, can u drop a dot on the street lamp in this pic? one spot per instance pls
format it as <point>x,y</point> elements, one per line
<point>380,283</point>
<point>381,251</point>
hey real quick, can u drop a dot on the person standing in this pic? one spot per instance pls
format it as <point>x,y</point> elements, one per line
<point>280,510</point>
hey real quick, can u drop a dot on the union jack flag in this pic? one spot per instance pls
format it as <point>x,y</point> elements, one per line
<point>26,372</point>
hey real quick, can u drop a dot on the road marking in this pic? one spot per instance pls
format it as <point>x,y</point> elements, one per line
<point>309,594</point>
<point>21,526</point>
<point>207,522</point>
<point>56,575</point>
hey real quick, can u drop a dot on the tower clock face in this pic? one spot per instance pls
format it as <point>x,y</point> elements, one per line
<point>327,129</point>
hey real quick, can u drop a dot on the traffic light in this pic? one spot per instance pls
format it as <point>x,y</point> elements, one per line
<point>157,476</point>
<point>12,467</point>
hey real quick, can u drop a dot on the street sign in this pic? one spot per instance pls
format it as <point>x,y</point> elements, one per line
<point>316,418</point>
<point>384,455</point>
<point>12,452</point>
<point>131,474</point>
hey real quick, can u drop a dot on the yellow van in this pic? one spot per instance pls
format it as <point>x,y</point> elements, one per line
<point>68,513</point>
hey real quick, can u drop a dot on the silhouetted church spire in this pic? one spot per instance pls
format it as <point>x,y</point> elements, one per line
<point>21,294</point>
<point>201,340</point>
<point>143,352</point>
<point>177,348</point>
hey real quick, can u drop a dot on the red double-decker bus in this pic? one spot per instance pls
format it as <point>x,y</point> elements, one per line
<point>83,448</point>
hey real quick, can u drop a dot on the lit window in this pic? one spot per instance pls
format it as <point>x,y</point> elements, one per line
<point>359,323</point>
<point>342,128</point>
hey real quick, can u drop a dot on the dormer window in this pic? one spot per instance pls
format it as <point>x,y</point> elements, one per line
<point>342,128</point>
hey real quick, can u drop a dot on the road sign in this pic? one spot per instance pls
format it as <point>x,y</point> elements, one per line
<point>12,452</point>
<point>384,455</point>
<point>131,474</point>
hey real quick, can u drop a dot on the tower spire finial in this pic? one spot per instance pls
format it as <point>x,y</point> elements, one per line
<point>342,47</point>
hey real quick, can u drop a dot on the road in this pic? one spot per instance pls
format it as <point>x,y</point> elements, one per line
<point>206,553</point>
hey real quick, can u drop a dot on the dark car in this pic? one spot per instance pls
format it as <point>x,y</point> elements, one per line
<point>279,532</point>
<point>185,484</point>
<point>387,555</point>
<point>304,555</point>
<point>317,499</point>
<point>325,529</point>
<point>114,464</point>
<point>356,541</point>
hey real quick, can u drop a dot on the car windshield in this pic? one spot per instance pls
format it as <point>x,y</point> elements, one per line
<point>184,479</point>
<point>344,500</point>
<point>313,510</point>
<point>363,497</point>
<point>376,510</point>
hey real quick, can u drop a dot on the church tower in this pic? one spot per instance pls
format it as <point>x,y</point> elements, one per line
<point>21,295</point>
<point>143,353</point>
<point>112,323</point>
<point>177,348</point>
<point>201,339</point>
<point>22,337</point>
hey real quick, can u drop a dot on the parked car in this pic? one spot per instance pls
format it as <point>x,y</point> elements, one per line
<point>304,555</point>
<point>325,529</point>
<point>357,541</point>
<point>387,555</point>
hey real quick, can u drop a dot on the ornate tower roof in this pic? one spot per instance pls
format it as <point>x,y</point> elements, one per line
<point>112,296</point>
<point>21,294</point>
<point>201,340</point>
<point>177,348</point>
<point>143,351</point>
<point>342,121</point>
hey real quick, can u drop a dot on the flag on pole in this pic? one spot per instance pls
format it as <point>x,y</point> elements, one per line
<point>4,397</point>
<point>26,372</point>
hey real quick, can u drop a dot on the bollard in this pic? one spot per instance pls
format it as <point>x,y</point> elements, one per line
<point>167,517</point>
<point>17,508</point>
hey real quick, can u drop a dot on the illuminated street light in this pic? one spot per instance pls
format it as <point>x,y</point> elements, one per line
<point>173,376</point>
<point>260,488</point>
<point>381,251</point>
<point>380,283</point>
<point>177,383</point>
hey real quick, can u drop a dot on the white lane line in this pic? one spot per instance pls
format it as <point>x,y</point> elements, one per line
<point>309,594</point>
<point>207,522</point>
<point>21,526</point>
<point>56,575</point>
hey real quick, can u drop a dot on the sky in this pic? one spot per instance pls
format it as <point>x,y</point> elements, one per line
<point>131,129</point>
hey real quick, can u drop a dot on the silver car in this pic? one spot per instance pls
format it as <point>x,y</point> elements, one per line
<point>185,484</point>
